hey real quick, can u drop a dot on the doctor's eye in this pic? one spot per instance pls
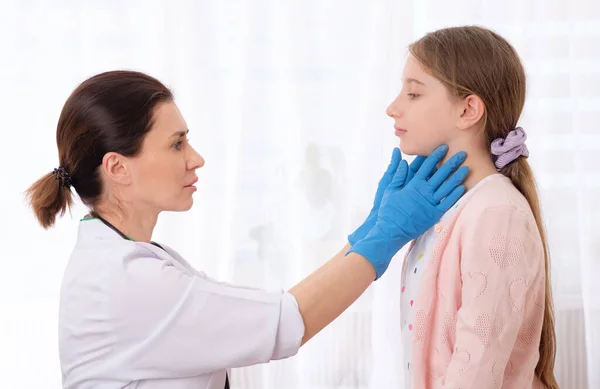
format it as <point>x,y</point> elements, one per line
<point>178,145</point>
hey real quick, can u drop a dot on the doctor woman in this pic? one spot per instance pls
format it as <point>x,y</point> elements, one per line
<point>133,313</point>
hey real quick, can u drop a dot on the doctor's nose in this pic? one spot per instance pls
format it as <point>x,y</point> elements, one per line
<point>195,161</point>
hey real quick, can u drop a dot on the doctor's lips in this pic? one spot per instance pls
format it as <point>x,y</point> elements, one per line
<point>191,184</point>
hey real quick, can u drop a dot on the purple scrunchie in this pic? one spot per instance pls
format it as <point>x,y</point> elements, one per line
<point>511,148</point>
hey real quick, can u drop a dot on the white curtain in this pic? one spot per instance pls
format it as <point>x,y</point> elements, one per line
<point>286,100</point>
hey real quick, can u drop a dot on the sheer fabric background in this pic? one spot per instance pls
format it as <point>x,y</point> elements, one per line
<point>286,100</point>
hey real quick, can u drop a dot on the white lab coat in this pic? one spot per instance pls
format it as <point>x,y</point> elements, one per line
<point>134,316</point>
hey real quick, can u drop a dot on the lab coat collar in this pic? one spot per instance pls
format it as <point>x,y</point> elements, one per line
<point>94,233</point>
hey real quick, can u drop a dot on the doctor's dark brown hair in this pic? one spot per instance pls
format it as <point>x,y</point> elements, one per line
<point>472,60</point>
<point>109,112</point>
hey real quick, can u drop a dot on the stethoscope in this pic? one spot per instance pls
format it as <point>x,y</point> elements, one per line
<point>115,229</point>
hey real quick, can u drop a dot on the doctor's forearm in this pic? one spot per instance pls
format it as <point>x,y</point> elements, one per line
<point>331,289</point>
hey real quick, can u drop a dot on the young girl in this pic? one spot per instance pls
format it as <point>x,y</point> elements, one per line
<point>475,291</point>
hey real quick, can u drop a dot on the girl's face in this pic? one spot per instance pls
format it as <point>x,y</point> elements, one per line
<point>425,114</point>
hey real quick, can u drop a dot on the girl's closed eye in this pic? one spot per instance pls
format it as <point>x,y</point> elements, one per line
<point>412,96</point>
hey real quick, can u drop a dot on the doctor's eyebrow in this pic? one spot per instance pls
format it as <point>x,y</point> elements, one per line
<point>180,134</point>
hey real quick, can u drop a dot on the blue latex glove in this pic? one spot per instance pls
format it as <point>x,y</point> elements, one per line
<point>396,163</point>
<point>408,211</point>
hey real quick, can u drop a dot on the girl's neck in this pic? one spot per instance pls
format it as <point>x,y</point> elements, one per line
<point>478,160</point>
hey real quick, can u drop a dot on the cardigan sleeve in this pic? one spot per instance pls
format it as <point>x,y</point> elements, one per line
<point>501,255</point>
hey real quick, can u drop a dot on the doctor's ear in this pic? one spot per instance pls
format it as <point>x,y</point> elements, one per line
<point>471,110</point>
<point>115,169</point>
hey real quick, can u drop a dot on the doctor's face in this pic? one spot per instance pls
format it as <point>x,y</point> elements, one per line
<point>162,175</point>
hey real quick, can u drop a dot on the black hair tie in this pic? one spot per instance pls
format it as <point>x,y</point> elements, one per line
<point>62,176</point>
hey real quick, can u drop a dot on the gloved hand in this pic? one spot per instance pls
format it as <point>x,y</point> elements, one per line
<point>408,211</point>
<point>396,163</point>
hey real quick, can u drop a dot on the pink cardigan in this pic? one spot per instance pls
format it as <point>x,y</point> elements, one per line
<point>481,300</point>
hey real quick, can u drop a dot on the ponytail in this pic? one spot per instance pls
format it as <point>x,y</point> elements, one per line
<point>522,177</point>
<point>49,197</point>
